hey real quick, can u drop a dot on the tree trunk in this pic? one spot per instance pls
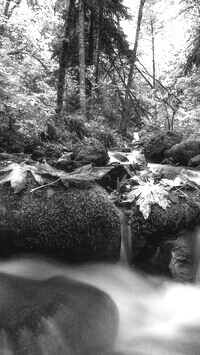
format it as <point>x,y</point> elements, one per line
<point>82,92</point>
<point>153,61</point>
<point>7,13</point>
<point>6,9</point>
<point>98,42</point>
<point>90,57</point>
<point>125,111</point>
<point>90,60</point>
<point>153,53</point>
<point>63,63</point>
<point>96,57</point>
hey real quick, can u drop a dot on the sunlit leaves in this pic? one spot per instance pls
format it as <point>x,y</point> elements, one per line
<point>26,66</point>
<point>147,189</point>
<point>147,194</point>
<point>44,174</point>
<point>16,175</point>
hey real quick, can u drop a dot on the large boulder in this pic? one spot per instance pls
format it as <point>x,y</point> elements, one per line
<point>165,242</point>
<point>94,153</point>
<point>77,224</point>
<point>155,148</point>
<point>184,258</point>
<point>14,141</point>
<point>183,152</point>
<point>153,239</point>
<point>55,316</point>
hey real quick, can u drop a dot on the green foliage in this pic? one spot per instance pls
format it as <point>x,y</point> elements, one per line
<point>105,137</point>
<point>76,125</point>
<point>31,34</point>
<point>147,188</point>
<point>45,175</point>
<point>26,71</point>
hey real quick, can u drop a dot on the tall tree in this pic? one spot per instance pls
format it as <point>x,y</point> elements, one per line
<point>63,61</point>
<point>82,92</point>
<point>125,111</point>
<point>7,13</point>
<point>99,24</point>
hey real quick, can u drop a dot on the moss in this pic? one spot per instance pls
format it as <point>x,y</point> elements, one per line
<point>153,239</point>
<point>77,224</point>
<point>155,148</point>
<point>180,215</point>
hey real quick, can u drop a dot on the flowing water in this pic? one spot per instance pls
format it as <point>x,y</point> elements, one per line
<point>156,317</point>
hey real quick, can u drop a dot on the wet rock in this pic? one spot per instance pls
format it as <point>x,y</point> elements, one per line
<point>110,180</point>
<point>184,264</point>
<point>77,224</point>
<point>91,153</point>
<point>183,152</point>
<point>155,148</point>
<point>153,239</point>
<point>55,316</point>
<point>12,141</point>
<point>119,157</point>
<point>195,161</point>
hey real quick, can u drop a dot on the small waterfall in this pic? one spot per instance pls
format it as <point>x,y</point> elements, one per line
<point>197,255</point>
<point>155,316</point>
<point>126,241</point>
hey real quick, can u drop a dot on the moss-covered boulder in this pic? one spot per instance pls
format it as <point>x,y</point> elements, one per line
<point>55,316</point>
<point>183,152</point>
<point>94,153</point>
<point>153,239</point>
<point>155,147</point>
<point>77,224</point>
<point>162,220</point>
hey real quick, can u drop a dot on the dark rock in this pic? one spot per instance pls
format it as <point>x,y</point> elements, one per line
<point>126,150</point>
<point>16,142</point>
<point>195,161</point>
<point>77,224</point>
<point>152,245</point>
<point>110,180</point>
<point>49,151</point>
<point>183,264</point>
<point>38,154</point>
<point>55,316</point>
<point>92,153</point>
<point>155,148</point>
<point>182,153</point>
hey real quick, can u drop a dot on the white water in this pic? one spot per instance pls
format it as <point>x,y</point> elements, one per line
<point>157,317</point>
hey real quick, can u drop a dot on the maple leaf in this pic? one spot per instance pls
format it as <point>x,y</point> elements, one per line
<point>17,175</point>
<point>170,184</point>
<point>148,194</point>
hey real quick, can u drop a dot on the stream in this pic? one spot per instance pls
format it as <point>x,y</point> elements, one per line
<point>156,316</point>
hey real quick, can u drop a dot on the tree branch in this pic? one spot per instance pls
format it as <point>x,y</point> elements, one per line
<point>159,82</point>
<point>30,55</point>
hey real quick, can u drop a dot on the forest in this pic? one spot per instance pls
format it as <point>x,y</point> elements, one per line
<point>99,177</point>
<point>71,64</point>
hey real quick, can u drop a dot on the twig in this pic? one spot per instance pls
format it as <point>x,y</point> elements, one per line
<point>40,187</point>
<point>181,192</point>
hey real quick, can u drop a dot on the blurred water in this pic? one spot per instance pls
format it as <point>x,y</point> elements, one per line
<point>157,317</point>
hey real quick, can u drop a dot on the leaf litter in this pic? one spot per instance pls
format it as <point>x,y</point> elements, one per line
<point>145,190</point>
<point>16,174</point>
